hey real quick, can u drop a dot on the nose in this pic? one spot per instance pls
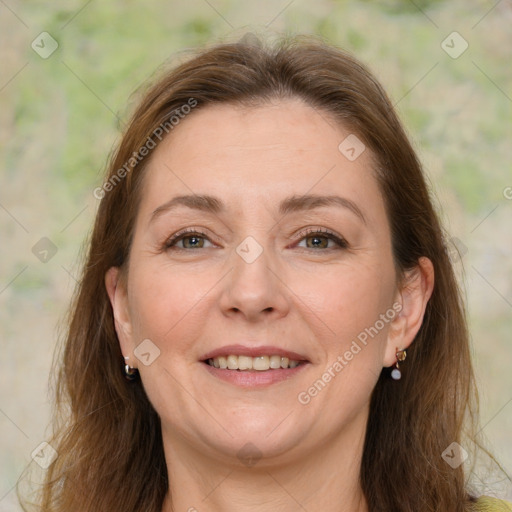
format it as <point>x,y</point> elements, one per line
<point>254,289</point>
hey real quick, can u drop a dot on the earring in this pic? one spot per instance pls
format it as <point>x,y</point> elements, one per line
<point>401,354</point>
<point>130,372</point>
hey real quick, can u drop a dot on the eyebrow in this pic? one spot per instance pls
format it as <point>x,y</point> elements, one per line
<point>211,204</point>
<point>203,203</point>
<point>310,202</point>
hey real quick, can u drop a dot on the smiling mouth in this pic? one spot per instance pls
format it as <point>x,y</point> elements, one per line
<point>247,363</point>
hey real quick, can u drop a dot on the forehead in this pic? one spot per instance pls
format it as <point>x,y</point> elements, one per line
<point>259,154</point>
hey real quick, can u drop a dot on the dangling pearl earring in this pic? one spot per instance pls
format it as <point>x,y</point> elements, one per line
<point>401,354</point>
<point>129,372</point>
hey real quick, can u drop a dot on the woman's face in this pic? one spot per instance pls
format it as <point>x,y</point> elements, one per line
<point>282,243</point>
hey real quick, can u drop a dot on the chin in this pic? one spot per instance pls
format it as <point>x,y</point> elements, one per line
<point>267,436</point>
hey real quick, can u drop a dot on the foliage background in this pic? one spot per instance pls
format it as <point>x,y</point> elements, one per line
<point>61,116</point>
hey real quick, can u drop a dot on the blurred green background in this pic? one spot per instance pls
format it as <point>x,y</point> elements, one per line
<point>61,115</point>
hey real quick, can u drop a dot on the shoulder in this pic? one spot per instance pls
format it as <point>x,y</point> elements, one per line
<point>487,504</point>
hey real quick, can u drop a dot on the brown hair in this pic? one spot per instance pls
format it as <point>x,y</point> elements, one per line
<point>108,435</point>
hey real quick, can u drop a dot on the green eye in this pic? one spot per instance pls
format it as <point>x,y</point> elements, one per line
<point>318,239</point>
<point>191,242</point>
<point>188,240</point>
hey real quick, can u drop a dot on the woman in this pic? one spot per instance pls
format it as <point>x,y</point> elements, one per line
<point>268,318</point>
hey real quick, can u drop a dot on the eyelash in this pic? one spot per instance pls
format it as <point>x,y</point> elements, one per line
<point>323,233</point>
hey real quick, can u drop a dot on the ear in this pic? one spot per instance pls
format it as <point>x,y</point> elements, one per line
<point>413,297</point>
<point>118,296</point>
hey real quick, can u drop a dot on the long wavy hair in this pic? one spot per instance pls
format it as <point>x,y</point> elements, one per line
<point>106,432</point>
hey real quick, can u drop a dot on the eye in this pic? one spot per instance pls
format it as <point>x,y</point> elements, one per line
<point>321,239</point>
<point>189,239</point>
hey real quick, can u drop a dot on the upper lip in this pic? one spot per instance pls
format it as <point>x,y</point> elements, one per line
<point>242,350</point>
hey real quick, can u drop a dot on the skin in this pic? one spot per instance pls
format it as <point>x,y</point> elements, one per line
<point>309,299</point>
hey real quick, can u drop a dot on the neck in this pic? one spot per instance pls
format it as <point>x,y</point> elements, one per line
<point>326,479</point>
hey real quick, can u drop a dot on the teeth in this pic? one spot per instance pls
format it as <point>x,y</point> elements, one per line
<point>275,362</point>
<point>260,363</point>
<point>244,363</point>
<point>232,363</point>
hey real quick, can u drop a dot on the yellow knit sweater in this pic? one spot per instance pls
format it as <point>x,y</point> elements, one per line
<point>486,504</point>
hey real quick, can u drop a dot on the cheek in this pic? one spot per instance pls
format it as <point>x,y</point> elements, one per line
<point>166,303</point>
<point>350,332</point>
<point>347,300</point>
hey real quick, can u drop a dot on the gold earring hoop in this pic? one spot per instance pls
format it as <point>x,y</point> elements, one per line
<point>401,354</point>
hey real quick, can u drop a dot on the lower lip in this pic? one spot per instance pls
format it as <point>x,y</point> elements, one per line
<point>255,378</point>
